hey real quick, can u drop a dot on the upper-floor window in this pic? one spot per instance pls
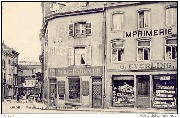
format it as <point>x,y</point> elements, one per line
<point>171,15</point>
<point>117,51</point>
<point>144,18</point>
<point>117,21</point>
<point>80,29</point>
<point>83,4</point>
<point>143,50</point>
<point>79,56</point>
<point>171,48</point>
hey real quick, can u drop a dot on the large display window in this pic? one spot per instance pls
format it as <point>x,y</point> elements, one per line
<point>74,89</point>
<point>164,91</point>
<point>123,91</point>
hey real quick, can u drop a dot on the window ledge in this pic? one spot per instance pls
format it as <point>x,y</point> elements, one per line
<point>73,103</point>
<point>115,31</point>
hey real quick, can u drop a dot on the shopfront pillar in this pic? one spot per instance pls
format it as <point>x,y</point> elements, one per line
<point>135,91</point>
<point>151,90</point>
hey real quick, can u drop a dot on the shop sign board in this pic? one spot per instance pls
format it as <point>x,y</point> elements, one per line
<point>75,71</point>
<point>165,78</point>
<point>153,65</point>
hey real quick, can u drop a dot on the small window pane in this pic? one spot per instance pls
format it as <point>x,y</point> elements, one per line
<point>146,53</point>
<point>143,43</point>
<point>117,44</point>
<point>120,54</point>
<point>140,54</point>
<point>168,52</point>
<point>174,52</point>
<point>141,19</point>
<point>114,54</point>
<point>171,41</point>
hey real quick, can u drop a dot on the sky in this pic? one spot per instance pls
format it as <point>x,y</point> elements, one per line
<point>21,24</point>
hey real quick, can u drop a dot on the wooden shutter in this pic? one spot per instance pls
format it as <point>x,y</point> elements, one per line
<point>71,29</point>
<point>88,28</point>
<point>71,56</point>
<point>88,55</point>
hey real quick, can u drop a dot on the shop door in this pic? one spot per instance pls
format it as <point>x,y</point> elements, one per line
<point>53,92</point>
<point>96,92</point>
<point>143,91</point>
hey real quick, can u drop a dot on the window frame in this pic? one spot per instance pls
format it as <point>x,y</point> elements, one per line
<point>73,30</point>
<point>142,47</point>
<point>114,41</point>
<point>112,26</point>
<point>172,20</point>
<point>76,54</point>
<point>170,45</point>
<point>138,19</point>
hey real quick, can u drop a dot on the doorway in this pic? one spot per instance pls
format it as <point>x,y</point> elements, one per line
<point>97,92</point>
<point>143,91</point>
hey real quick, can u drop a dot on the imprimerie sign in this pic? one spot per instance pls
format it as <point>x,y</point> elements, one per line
<point>74,71</point>
<point>146,33</point>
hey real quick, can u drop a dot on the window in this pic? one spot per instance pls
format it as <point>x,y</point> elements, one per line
<point>83,4</point>
<point>143,50</point>
<point>117,53</point>
<point>117,21</point>
<point>171,15</point>
<point>74,89</point>
<point>80,29</point>
<point>171,49</point>
<point>79,56</point>
<point>144,18</point>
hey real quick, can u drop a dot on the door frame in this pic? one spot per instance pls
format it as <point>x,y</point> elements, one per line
<point>99,77</point>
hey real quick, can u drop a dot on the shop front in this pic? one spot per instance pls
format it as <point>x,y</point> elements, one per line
<point>152,87</point>
<point>76,86</point>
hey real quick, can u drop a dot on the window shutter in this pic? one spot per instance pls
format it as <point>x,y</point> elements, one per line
<point>71,29</point>
<point>88,28</point>
<point>88,55</point>
<point>71,56</point>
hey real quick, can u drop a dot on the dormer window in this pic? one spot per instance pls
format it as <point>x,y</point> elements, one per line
<point>83,4</point>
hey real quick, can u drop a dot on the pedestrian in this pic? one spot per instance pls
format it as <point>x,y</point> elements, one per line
<point>17,96</point>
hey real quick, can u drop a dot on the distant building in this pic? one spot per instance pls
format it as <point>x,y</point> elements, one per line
<point>9,71</point>
<point>30,83</point>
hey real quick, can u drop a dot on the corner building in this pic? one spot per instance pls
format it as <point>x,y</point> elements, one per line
<point>141,68</point>
<point>74,63</point>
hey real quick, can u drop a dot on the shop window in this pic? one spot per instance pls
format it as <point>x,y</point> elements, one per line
<point>164,91</point>
<point>79,56</point>
<point>74,89</point>
<point>123,91</point>
<point>117,21</point>
<point>144,18</point>
<point>171,49</point>
<point>79,29</point>
<point>117,53</point>
<point>143,50</point>
<point>171,15</point>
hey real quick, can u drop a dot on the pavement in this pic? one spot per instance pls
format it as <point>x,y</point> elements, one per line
<point>25,106</point>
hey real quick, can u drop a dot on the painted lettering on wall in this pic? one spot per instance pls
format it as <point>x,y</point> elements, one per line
<point>146,33</point>
<point>72,71</point>
<point>158,65</point>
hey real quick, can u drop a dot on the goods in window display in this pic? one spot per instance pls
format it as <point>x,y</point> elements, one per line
<point>164,96</point>
<point>123,95</point>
